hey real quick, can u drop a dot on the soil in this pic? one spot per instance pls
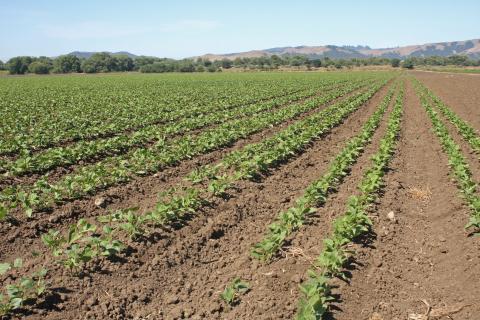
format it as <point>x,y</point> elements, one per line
<point>461,92</point>
<point>423,256</point>
<point>141,192</point>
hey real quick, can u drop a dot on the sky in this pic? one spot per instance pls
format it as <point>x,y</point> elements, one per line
<point>185,28</point>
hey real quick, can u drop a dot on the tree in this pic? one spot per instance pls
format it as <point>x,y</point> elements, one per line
<point>67,63</point>
<point>2,65</point>
<point>143,61</point>
<point>124,63</point>
<point>185,66</point>
<point>408,64</point>
<point>238,62</point>
<point>19,65</point>
<point>298,61</point>
<point>100,62</point>
<point>328,62</point>
<point>39,67</point>
<point>457,60</point>
<point>158,67</point>
<point>395,63</point>
<point>226,63</point>
<point>316,63</point>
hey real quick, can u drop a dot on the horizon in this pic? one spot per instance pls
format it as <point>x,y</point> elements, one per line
<point>190,29</point>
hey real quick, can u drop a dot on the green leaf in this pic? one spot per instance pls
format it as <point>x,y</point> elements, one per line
<point>3,212</point>
<point>18,263</point>
<point>4,268</point>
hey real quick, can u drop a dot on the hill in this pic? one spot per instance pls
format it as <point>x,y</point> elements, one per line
<point>88,54</point>
<point>470,48</point>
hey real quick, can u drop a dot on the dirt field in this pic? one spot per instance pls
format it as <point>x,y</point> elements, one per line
<point>417,263</point>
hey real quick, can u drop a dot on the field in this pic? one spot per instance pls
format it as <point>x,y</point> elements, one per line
<point>452,69</point>
<point>295,195</point>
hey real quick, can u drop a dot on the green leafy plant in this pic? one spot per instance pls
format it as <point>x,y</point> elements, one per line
<point>315,290</point>
<point>232,291</point>
<point>14,295</point>
<point>127,220</point>
<point>317,192</point>
<point>316,294</point>
<point>456,160</point>
<point>81,244</point>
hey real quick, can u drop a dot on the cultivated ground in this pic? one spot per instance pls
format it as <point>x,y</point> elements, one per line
<point>416,261</point>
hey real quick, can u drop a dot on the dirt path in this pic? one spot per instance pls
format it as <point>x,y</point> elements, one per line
<point>424,255</point>
<point>182,272</point>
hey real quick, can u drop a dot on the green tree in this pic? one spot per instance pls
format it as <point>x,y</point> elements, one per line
<point>143,61</point>
<point>2,65</point>
<point>226,63</point>
<point>39,67</point>
<point>395,63</point>
<point>67,63</point>
<point>457,60</point>
<point>158,67</point>
<point>124,63</point>
<point>100,62</point>
<point>211,68</point>
<point>316,63</point>
<point>238,63</point>
<point>298,61</point>
<point>408,64</point>
<point>19,65</point>
<point>185,66</point>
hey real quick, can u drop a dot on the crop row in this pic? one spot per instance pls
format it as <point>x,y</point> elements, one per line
<point>466,131</point>
<point>76,247</point>
<point>84,241</point>
<point>316,290</point>
<point>88,179</point>
<point>456,160</point>
<point>317,193</point>
<point>51,112</point>
<point>85,150</point>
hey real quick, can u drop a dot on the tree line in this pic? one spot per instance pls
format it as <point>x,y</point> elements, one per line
<point>105,62</point>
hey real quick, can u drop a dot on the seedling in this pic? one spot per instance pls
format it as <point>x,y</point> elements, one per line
<point>28,287</point>
<point>232,291</point>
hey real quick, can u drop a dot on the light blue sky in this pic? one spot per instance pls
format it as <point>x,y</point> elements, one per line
<point>186,28</point>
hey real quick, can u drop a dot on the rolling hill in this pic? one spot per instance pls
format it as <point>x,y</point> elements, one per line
<point>470,48</point>
<point>88,54</point>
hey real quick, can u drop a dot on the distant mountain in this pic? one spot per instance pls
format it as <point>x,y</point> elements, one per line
<point>88,54</point>
<point>470,48</point>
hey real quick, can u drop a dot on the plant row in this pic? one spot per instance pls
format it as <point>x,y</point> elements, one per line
<point>48,112</point>
<point>457,162</point>
<point>86,150</point>
<point>88,179</point>
<point>84,242</point>
<point>76,247</point>
<point>466,131</point>
<point>316,290</point>
<point>317,193</point>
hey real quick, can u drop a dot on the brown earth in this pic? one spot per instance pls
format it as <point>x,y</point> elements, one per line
<point>140,192</point>
<point>461,92</point>
<point>136,275</point>
<point>422,256</point>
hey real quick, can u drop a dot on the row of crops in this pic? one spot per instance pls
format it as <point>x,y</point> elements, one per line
<point>151,123</point>
<point>164,148</point>
<point>108,158</point>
